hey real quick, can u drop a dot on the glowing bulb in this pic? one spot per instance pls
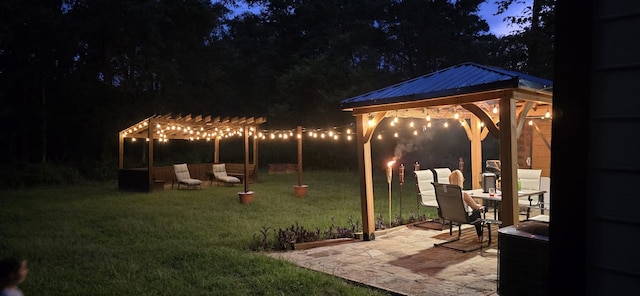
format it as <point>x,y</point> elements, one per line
<point>548,114</point>
<point>349,138</point>
<point>370,122</point>
<point>530,122</point>
<point>429,124</point>
<point>411,124</point>
<point>379,137</point>
<point>395,134</point>
<point>456,116</point>
<point>415,133</point>
<point>348,131</point>
<point>495,110</point>
<point>395,119</point>
<point>446,124</point>
<point>428,117</point>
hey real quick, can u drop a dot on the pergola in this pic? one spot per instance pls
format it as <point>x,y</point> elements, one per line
<point>162,128</point>
<point>470,90</point>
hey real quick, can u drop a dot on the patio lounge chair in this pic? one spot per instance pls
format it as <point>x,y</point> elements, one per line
<point>184,178</point>
<point>452,208</point>
<point>220,175</point>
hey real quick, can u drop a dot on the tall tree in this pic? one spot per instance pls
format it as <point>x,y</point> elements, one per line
<point>530,49</point>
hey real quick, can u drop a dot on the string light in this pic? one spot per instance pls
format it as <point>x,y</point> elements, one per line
<point>548,114</point>
<point>495,110</point>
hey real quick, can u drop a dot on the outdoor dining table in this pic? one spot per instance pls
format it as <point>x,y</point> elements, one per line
<point>496,198</point>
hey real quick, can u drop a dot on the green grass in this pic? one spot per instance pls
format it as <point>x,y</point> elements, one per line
<point>96,240</point>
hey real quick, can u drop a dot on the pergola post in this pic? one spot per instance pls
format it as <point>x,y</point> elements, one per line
<point>216,149</point>
<point>120,150</point>
<point>150,132</point>
<point>255,152</point>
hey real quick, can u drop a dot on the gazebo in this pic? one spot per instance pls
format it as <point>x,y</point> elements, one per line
<point>483,97</point>
<point>162,128</point>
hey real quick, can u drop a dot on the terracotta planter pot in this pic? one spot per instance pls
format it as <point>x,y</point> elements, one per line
<point>246,197</point>
<point>300,190</point>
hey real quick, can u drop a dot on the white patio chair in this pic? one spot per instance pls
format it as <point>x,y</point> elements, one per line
<point>529,180</point>
<point>184,178</point>
<point>442,175</point>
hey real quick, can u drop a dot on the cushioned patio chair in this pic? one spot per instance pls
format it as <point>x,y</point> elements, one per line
<point>452,209</point>
<point>220,174</point>
<point>426,193</point>
<point>184,178</point>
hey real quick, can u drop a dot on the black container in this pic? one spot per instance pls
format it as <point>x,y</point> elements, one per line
<point>488,181</point>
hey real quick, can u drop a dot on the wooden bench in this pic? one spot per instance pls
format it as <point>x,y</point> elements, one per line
<point>282,168</point>
<point>237,170</point>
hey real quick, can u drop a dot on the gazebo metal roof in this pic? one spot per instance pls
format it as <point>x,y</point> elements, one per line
<point>456,80</point>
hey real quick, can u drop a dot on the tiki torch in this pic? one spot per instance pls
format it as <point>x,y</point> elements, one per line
<point>401,178</point>
<point>389,178</point>
<point>416,167</point>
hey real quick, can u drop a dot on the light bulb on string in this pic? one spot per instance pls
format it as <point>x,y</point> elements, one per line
<point>548,114</point>
<point>446,124</point>
<point>495,110</point>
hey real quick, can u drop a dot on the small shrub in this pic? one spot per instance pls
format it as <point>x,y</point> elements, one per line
<point>295,234</point>
<point>263,239</point>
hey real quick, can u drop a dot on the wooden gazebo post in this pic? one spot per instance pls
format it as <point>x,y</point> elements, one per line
<point>364,132</point>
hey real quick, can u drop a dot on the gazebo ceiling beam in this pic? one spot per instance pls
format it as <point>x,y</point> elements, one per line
<point>435,102</point>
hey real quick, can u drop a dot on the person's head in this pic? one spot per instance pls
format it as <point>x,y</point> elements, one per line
<point>456,178</point>
<point>12,272</point>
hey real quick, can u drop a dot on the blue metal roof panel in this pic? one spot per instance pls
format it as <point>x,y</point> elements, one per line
<point>460,79</point>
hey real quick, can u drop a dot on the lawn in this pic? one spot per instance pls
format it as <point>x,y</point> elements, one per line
<point>96,240</point>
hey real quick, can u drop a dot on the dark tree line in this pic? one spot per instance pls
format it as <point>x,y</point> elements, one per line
<point>73,73</point>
